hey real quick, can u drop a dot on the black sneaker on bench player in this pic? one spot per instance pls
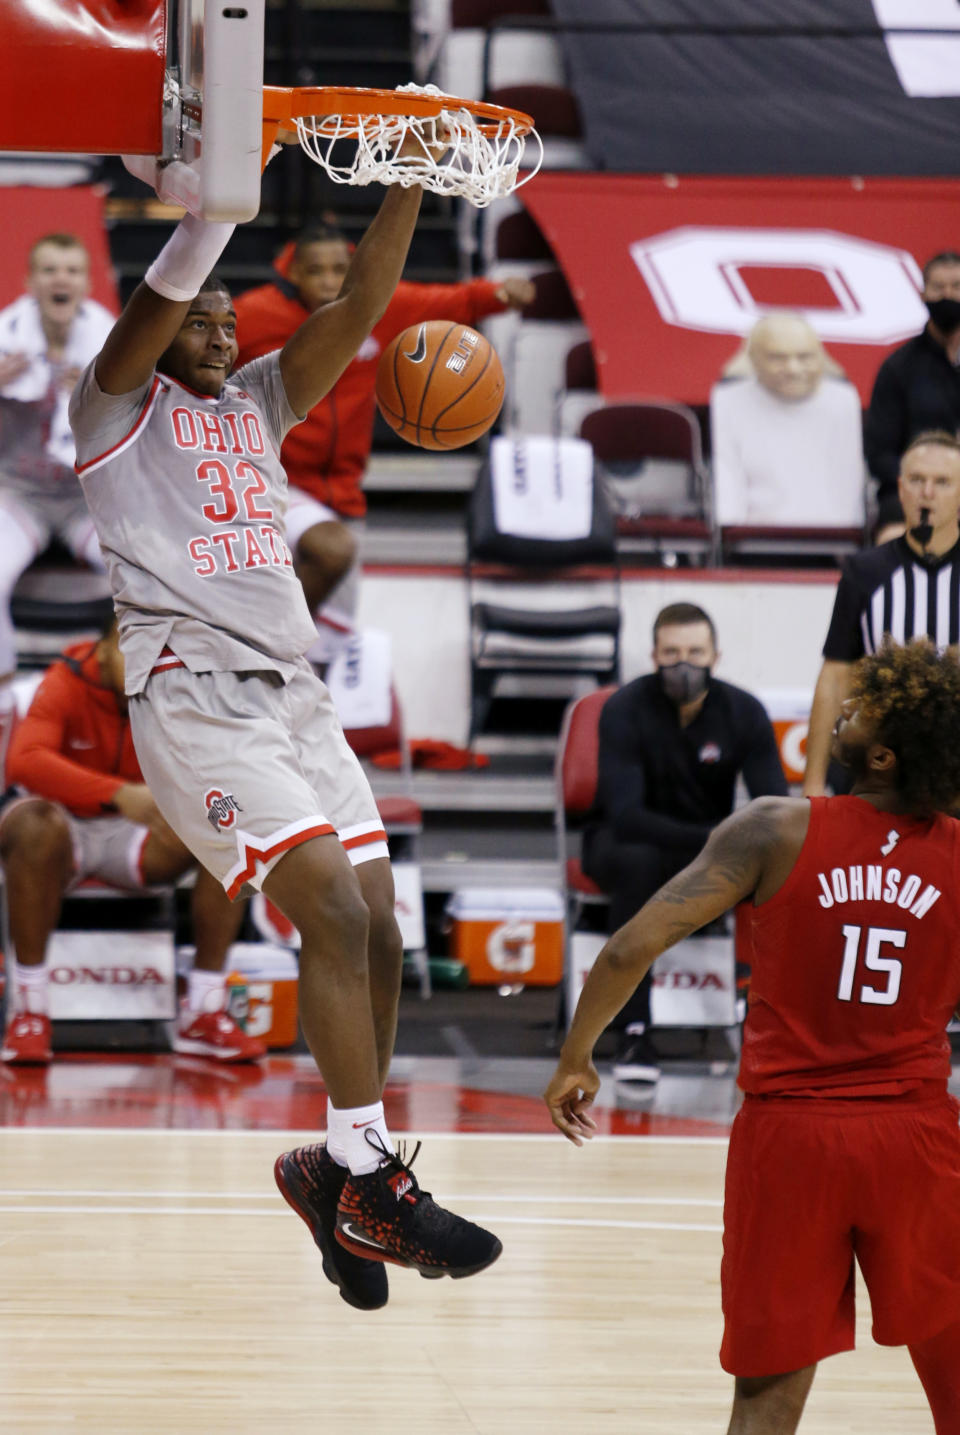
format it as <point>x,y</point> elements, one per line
<point>381,1217</point>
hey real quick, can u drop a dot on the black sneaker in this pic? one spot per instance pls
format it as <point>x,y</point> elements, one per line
<point>311,1182</point>
<point>387,1217</point>
<point>636,1060</point>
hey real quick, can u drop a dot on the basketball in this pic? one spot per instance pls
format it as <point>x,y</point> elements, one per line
<point>439,384</point>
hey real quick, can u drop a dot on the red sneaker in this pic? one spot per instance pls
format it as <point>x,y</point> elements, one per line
<point>216,1034</point>
<point>27,1040</point>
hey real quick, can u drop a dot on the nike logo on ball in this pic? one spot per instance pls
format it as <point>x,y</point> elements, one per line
<point>420,352</point>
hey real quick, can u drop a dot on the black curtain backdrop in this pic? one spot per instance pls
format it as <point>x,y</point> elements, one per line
<point>753,103</point>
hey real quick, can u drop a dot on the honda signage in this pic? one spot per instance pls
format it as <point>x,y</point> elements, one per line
<point>112,976</point>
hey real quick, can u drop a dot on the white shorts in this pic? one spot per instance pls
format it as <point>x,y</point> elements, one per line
<point>244,767</point>
<point>107,849</point>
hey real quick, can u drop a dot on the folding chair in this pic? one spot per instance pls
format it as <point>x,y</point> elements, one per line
<point>575,773</point>
<point>650,452</point>
<point>575,787</point>
<point>538,650</point>
<point>537,349</point>
<point>559,123</point>
<point>57,601</point>
<point>578,396</point>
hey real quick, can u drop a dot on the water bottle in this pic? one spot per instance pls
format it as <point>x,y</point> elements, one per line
<point>238,998</point>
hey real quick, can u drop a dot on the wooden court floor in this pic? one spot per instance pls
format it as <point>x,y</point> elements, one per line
<point>153,1283</point>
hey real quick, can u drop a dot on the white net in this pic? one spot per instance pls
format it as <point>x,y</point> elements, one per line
<point>481,164</point>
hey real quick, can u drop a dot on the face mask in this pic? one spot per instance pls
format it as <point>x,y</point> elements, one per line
<point>682,682</point>
<point>945,313</point>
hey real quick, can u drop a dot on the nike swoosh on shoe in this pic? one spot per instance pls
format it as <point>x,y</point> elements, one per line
<point>361,1238</point>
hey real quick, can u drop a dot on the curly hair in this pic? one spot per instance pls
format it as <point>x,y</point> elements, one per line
<point>912,695</point>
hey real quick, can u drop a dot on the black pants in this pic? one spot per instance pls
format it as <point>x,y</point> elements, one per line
<point>630,873</point>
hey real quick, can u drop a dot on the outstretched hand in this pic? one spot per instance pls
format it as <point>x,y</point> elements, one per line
<point>417,144</point>
<point>569,1097</point>
<point>516,292</point>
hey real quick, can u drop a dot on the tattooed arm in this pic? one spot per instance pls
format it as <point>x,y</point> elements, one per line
<point>736,861</point>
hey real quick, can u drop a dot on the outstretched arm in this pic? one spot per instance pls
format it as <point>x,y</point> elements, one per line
<point>727,870</point>
<point>317,354</point>
<point>833,688</point>
<point>158,306</point>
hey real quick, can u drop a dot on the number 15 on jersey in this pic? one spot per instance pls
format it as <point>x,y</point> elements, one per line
<point>873,961</point>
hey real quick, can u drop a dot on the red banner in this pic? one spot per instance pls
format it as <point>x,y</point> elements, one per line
<point>670,274</point>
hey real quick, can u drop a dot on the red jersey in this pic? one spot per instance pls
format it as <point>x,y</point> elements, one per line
<point>326,455</point>
<point>74,745</point>
<point>855,963</point>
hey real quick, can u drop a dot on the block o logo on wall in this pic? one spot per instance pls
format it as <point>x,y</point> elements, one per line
<point>700,278</point>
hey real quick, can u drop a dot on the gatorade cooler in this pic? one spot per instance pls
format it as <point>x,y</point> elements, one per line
<point>510,935</point>
<point>271,976</point>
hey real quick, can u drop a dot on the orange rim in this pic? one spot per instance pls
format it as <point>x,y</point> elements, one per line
<point>282,106</point>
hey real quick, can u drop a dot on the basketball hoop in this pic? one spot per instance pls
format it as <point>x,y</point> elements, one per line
<point>482,144</point>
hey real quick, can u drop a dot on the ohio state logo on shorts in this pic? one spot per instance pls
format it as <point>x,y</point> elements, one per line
<point>222,808</point>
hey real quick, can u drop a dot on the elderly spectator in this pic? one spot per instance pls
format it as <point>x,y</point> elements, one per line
<point>917,389</point>
<point>787,436</point>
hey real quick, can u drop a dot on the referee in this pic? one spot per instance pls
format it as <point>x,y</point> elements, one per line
<point>909,588</point>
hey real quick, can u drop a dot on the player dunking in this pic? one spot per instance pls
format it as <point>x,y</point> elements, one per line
<point>847,1145</point>
<point>236,737</point>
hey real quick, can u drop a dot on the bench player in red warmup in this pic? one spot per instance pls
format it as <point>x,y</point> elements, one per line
<point>847,1145</point>
<point>237,738</point>
<point>83,811</point>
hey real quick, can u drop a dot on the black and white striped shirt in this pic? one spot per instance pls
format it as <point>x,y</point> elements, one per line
<point>892,590</point>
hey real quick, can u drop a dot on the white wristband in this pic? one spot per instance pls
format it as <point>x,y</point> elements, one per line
<point>187,258</point>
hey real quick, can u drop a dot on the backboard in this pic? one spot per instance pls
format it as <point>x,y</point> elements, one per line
<point>175,85</point>
<point>176,88</point>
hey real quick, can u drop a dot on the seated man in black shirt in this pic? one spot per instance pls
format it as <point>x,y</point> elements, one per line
<point>671,747</point>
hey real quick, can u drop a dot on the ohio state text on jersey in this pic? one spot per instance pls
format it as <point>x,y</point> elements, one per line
<point>188,496</point>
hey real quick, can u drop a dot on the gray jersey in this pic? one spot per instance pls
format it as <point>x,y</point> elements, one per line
<point>188,496</point>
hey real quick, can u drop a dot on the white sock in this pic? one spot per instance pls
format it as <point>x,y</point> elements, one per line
<point>347,1137</point>
<point>30,986</point>
<point>206,991</point>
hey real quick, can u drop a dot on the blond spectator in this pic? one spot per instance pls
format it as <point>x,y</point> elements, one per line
<point>787,445</point>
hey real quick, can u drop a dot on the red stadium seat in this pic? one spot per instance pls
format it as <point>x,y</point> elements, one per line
<point>576,772</point>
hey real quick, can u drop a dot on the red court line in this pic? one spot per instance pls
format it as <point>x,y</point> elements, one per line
<point>143,1092</point>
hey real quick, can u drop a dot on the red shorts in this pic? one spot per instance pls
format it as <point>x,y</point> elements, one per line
<point>811,1185</point>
